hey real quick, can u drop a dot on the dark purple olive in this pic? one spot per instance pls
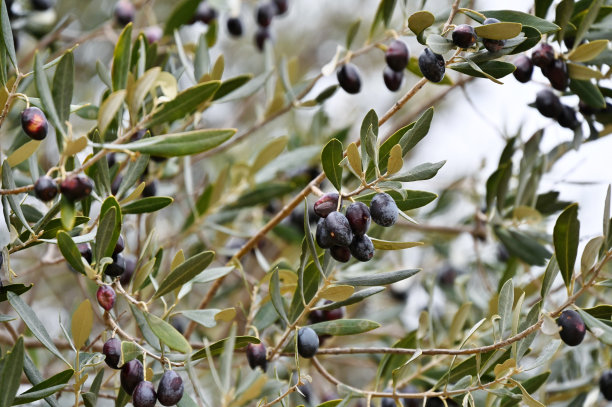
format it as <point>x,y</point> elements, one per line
<point>132,373</point>
<point>262,35</point>
<point>205,13</point>
<point>548,104</point>
<point>393,79</point>
<point>144,395</point>
<point>265,13</point>
<point>349,78</point>
<point>524,68</point>
<point>34,123</point>
<point>358,215</point>
<point>106,297</point>
<point>557,74</point>
<point>281,6</point>
<point>432,65</point>
<point>605,384</point>
<point>256,356</point>
<point>234,26</point>
<point>76,187</point>
<point>543,56</point>
<point>340,253</point>
<point>124,12</point>
<point>572,326</point>
<point>567,118</point>
<point>85,251</point>
<point>45,188</point>
<point>362,248</point>
<point>170,388</point>
<point>307,342</point>
<point>112,352</point>
<point>326,204</point>
<point>464,36</point>
<point>397,55</point>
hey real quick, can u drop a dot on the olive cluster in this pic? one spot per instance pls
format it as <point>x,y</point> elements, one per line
<point>169,390</point>
<point>345,234</point>
<point>549,105</point>
<point>553,68</point>
<point>396,56</point>
<point>20,11</point>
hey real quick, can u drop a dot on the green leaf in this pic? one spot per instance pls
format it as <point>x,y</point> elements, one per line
<point>18,289</point>
<point>121,59</point>
<point>588,92</point>
<point>353,299</point>
<point>588,51</point>
<point>589,254</point>
<point>132,173</point>
<point>601,330</point>
<point>439,44</point>
<point>178,144</point>
<point>45,388</point>
<point>587,21</point>
<point>352,32</point>
<point>10,375</point>
<point>532,38</point>
<point>499,31</point>
<point>70,251</point>
<point>565,237</point>
<point>82,322</point>
<point>523,246</point>
<point>6,318</point>
<point>31,320</point>
<point>603,311</point>
<point>331,156</point>
<point>504,306</point>
<point>204,317</point>
<point>167,334</point>
<point>180,15</point>
<point>90,398</point>
<point>146,205</point>
<point>109,108</point>
<point>217,347</point>
<point>420,20</point>
<point>384,12</point>
<point>531,385</point>
<point>63,83</point>
<point>184,103</point>
<point>583,73</point>
<point>230,85</point>
<point>412,199</point>
<point>379,278</point>
<point>369,121</point>
<point>387,245</point>
<point>276,297</point>
<point>542,25</point>
<point>541,9</point>
<point>138,91</point>
<point>496,69</point>
<point>9,183</point>
<point>7,35</point>
<point>419,173</point>
<point>189,269</point>
<point>414,134</point>
<point>341,327</point>
<point>549,276</point>
<point>104,236</point>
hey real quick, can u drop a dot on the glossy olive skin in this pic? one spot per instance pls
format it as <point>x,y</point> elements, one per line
<point>548,104</point>
<point>132,373</point>
<point>362,248</point>
<point>150,189</point>
<point>605,384</point>
<point>543,56</point>
<point>144,395</point>
<point>383,209</point>
<point>349,78</point>
<point>340,253</point>
<point>205,13</point>
<point>397,55</point>
<point>170,389</point>
<point>338,229</point>
<point>85,251</point>
<point>112,352</point>
<point>76,187</point>
<point>464,36</point>
<point>106,297</point>
<point>117,267</point>
<point>358,215</point>
<point>265,13</point>
<point>524,68</point>
<point>34,123</point>
<point>45,188</point>
<point>322,236</point>
<point>256,356</point>
<point>234,26</point>
<point>326,204</point>
<point>393,79</point>
<point>124,12</point>
<point>572,326</point>
<point>281,6</point>
<point>557,74</point>
<point>261,37</point>
<point>567,118</point>
<point>307,342</point>
<point>432,65</point>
